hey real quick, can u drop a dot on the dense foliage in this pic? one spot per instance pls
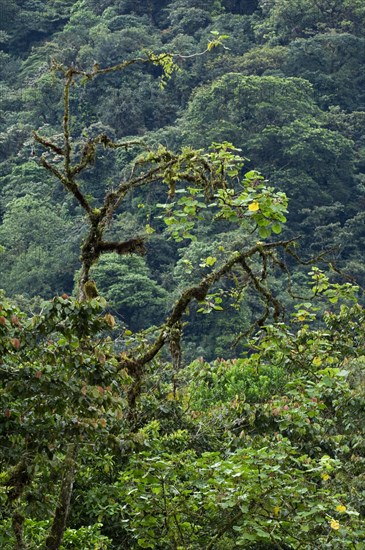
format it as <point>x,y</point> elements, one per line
<point>287,89</point>
<point>184,383</point>
<point>264,451</point>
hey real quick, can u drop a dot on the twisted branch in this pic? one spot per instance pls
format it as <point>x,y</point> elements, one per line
<point>134,363</point>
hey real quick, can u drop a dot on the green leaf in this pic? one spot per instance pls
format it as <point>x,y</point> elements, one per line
<point>276,228</point>
<point>264,232</point>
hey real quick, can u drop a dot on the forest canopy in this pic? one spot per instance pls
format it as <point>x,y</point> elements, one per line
<point>181,243</point>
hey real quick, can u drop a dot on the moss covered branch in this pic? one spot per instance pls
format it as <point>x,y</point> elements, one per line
<point>135,363</point>
<point>55,537</point>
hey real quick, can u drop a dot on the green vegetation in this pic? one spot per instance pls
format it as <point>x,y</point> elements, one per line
<point>182,340</point>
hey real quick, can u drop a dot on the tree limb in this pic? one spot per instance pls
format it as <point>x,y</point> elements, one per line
<point>132,246</point>
<point>134,364</point>
<point>55,537</point>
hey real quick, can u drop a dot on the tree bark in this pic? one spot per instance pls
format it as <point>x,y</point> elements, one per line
<point>55,537</point>
<point>18,524</point>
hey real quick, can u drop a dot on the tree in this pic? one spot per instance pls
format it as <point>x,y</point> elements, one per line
<point>74,399</point>
<point>40,248</point>
<point>331,63</point>
<point>29,21</point>
<point>130,290</point>
<point>282,131</point>
<point>195,177</point>
<point>286,20</point>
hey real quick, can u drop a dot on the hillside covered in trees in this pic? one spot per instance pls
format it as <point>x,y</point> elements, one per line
<point>182,191</point>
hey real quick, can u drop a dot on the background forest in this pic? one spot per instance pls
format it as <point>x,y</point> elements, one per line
<point>258,442</point>
<point>289,92</point>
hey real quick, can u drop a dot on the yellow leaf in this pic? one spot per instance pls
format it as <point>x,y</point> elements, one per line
<point>341,508</point>
<point>317,361</point>
<point>325,477</point>
<point>276,510</point>
<point>254,206</point>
